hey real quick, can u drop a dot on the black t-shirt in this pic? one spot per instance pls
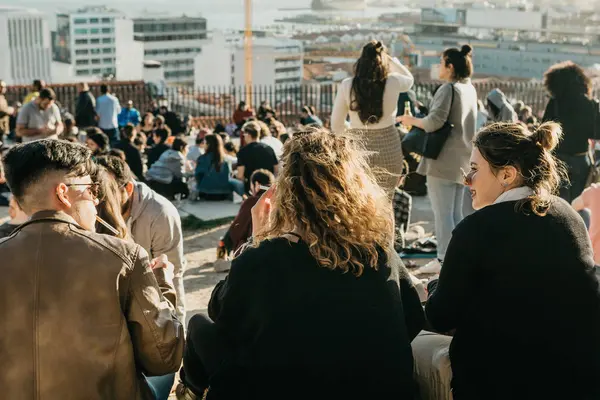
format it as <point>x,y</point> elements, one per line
<point>255,156</point>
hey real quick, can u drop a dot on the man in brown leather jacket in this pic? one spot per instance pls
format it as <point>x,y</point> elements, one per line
<point>84,315</point>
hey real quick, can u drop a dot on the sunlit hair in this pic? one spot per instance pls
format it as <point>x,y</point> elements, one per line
<point>368,85</point>
<point>328,194</point>
<point>510,144</point>
<point>109,208</point>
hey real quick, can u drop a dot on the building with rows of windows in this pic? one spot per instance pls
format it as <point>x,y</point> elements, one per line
<point>24,45</point>
<point>93,43</point>
<point>174,42</point>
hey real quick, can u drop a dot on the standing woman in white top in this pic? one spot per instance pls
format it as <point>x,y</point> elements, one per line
<point>371,99</point>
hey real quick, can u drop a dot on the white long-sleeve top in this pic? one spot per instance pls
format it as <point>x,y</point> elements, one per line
<point>399,80</point>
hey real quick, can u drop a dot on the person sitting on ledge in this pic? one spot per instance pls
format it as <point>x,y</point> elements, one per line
<point>213,177</point>
<point>518,286</point>
<point>241,227</point>
<point>320,306</point>
<point>167,175</point>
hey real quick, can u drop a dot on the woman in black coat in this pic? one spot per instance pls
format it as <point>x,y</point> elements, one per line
<point>518,285</point>
<point>579,115</point>
<point>320,306</point>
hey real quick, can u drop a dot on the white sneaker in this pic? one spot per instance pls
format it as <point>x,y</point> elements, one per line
<point>432,267</point>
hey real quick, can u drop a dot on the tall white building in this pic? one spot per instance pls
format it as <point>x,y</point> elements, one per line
<point>24,45</point>
<point>276,61</point>
<point>174,42</point>
<point>95,42</point>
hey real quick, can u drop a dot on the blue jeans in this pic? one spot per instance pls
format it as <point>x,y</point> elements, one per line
<point>237,186</point>
<point>447,203</point>
<point>161,385</point>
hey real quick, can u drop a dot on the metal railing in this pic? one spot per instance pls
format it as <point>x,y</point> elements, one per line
<point>216,104</point>
<point>66,94</point>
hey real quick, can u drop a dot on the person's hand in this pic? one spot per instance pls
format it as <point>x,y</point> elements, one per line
<point>261,212</point>
<point>407,120</point>
<point>162,262</point>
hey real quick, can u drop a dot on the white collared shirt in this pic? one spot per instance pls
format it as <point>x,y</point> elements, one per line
<point>515,194</point>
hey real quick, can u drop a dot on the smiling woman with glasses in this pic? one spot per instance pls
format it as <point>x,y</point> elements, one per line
<point>518,287</point>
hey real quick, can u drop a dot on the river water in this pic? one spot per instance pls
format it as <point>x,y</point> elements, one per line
<point>221,14</point>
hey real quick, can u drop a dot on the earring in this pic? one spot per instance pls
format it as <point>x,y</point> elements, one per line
<point>505,184</point>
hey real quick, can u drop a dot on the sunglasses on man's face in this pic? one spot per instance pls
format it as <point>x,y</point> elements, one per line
<point>94,189</point>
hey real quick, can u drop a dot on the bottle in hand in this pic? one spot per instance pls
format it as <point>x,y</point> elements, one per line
<point>408,112</point>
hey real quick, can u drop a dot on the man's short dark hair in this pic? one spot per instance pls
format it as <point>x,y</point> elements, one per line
<point>179,144</point>
<point>128,132</point>
<point>163,134</point>
<point>27,163</point>
<point>118,168</point>
<point>38,85</point>
<point>47,94</point>
<point>263,177</point>
<point>103,88</point>
<point>101,139</point>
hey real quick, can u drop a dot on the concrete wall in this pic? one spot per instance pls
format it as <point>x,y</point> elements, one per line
<point>213,65</point>
<point>129,54</point>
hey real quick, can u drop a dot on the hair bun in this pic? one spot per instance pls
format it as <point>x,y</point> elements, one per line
<point>547,135</point>
<point>466,50</point>
<point>379,47</point>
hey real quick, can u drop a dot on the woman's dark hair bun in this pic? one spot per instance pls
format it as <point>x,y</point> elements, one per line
<point>547,135</point>
<point>466,50</point>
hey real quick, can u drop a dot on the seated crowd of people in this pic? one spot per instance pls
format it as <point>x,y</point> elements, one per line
<point>317,303</point>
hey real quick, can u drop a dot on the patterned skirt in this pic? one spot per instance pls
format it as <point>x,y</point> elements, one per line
<point>386,158</point>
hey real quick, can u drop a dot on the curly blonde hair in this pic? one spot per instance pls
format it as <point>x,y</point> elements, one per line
<point>327,193</point>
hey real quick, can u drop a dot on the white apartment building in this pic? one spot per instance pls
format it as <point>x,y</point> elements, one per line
<point>93,43</point>
<point>276,61</point>
<point>174,42</point>
<point>24,45</point>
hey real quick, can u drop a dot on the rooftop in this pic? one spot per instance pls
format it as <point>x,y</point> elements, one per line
<point>18,10</point>
<point>168,19</point>
<point>96,10</point>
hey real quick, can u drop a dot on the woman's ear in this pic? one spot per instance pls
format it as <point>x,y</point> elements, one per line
<point>509,175</point>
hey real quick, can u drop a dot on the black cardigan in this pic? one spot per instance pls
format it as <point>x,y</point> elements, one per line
<point>521,292</point>
<point>300,330</point>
